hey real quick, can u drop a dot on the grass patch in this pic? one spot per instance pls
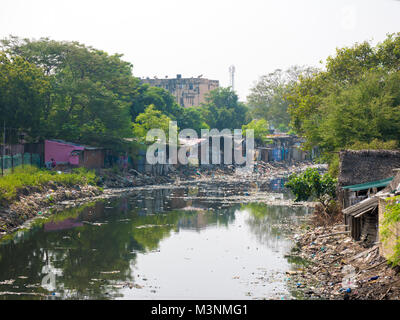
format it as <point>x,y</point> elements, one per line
<point>31,176</point>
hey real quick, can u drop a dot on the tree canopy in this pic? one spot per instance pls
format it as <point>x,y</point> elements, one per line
<point>150,119</point>
<point>89,92</point>
<point>267,97</point>
<point>354,101</point>
<point>23,90</point>
<point>260,128</point>
<point>223,110</point>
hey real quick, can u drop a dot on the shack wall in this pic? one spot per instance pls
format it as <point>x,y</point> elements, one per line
<point>362,166</point>
<point>93,159</point>
<point>60,152</point>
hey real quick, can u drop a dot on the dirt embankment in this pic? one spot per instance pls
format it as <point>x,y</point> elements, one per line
<point>36,201</point>
<point>336,267</point>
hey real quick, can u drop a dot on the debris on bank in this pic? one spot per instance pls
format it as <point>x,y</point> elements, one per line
<point>181,174</point>
<point>340,268</point>
<point>39,203</point>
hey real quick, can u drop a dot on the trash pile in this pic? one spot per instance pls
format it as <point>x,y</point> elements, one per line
<point>261,171</point>
<point>337,267</point>
<point>284,169</point>
<point>131,178</point>
<point>188,173</point>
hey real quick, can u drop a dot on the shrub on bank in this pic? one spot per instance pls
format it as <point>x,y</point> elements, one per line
<point>31,176</point>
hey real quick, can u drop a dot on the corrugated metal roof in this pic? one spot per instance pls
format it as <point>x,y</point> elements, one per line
<point>368,185</point>
<point>362,207</point>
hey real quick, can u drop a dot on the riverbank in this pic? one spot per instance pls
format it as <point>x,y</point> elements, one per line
<point>29,191</point>
<point>336,267</point>
<point>39,203</point>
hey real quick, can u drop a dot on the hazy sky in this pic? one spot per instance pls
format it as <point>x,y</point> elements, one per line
<point>167,37</point>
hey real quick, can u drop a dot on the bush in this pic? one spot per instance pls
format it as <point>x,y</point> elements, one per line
<point>311,184</point>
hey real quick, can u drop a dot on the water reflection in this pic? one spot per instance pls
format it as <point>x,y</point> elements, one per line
<point>101,250</point>
<point>270,224</point>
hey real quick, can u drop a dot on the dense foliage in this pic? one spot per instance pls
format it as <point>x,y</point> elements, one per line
<point>23,89</point>
<point>268,98</point>
<point>150,119</point>
<point>223,110</point>
<point>311,184</point>
<point>66,90</point>
<point>261,130</point>
<point>355,101</point>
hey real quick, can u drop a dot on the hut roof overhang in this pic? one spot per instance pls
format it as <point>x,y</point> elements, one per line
<point>362,207</point>
<point>369,185</point>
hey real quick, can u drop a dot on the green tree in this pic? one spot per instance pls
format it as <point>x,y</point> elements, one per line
<point>261,130</point>
<point>223,110</point>
<point>354,101</point>
<point>23,89</point>
<point>268,100</point>
<point>150,119</point>
<point>160,98</point>
<point>90,93</point>
<point>192,118</point>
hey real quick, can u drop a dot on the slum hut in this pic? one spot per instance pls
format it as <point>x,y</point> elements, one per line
<point>91,157</point>
<point>69,154</point>
<point>280,147</point>
<point>363,173</point>
<point>358,192</point>
<point>285,147</point>
<point>297,154</point>
<point>262,153</point>
<point>362,218</point>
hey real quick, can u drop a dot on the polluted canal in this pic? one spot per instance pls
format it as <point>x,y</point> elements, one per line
<point>180,242</point>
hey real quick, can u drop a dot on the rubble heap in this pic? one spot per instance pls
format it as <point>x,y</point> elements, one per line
<point>339,268</point>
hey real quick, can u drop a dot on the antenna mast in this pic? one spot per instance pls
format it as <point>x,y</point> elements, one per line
<point>232,77</point>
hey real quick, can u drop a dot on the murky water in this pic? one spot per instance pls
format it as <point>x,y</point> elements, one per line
<point>181,243</point>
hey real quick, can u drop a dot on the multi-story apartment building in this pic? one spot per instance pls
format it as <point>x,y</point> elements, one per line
<point>187,91</point>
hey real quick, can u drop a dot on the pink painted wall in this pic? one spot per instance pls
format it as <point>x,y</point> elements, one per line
<point>60,152</point>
